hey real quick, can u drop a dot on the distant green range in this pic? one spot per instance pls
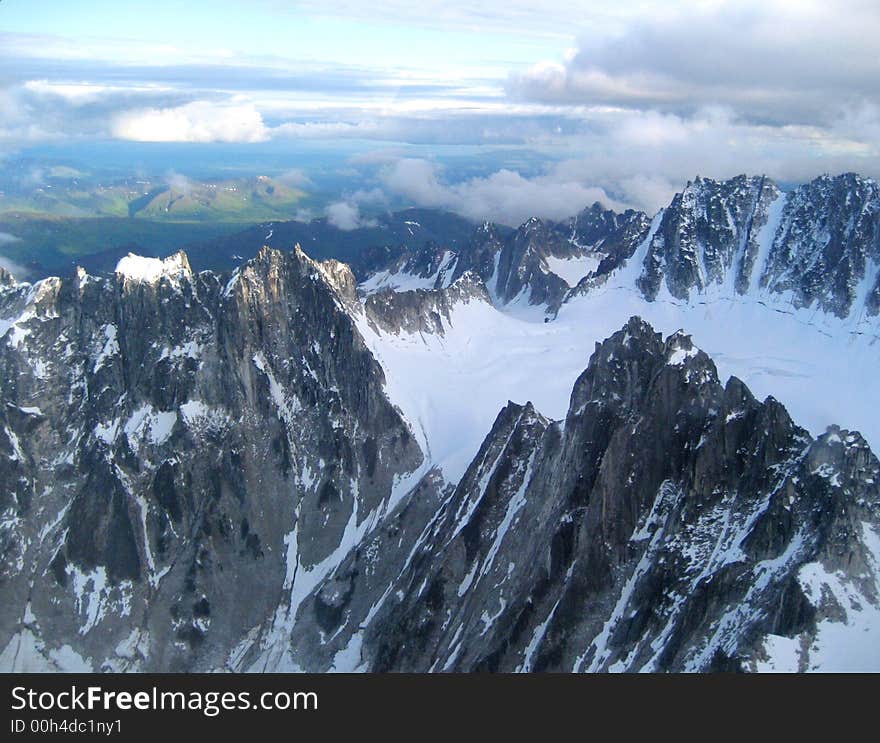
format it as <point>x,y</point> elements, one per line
<point>66,192</point>
<point>66,218</point>
<point>51,221</point>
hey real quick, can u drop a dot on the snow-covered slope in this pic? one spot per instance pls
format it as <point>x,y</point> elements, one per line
<point>451,384</point>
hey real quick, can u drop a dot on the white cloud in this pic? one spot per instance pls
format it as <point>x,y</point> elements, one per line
<point>551,18</point>
<point>417,179</point>
<point>83,93</point>
<point>653,94</point>
<point>626,158</point>
<point>643,157</point>
<point>373,196</point>
<point>382,156</point>
<point>200,121</point>
<point>6,238</point>
<point>346,215</point>
<point>504,196</point>
<point>769,60</point>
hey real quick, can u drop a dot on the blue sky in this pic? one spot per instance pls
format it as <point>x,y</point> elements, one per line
<point>622,100</point>
<point>285,30</point>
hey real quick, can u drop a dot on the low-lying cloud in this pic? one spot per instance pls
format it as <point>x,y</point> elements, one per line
<point>296,178</point>
<point>346,215</point>
<point>505,196</point>
<point>16,269</point>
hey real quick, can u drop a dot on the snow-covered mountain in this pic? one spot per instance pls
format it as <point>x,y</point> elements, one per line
<point>733,263</point>
<point>815,246</point>
<point>278,469</point>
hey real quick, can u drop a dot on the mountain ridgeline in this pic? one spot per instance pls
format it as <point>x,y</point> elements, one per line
<point>817,245</point>
<point>220,471</point>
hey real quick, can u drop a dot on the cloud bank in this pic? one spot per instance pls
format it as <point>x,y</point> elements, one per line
<point>504,196</point>
<point>772,61</point>
<point>201,121</point>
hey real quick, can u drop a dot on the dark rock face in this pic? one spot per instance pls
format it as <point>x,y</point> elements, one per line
<point>522,265</point>
<point>663,526</point>
<point>482,252</point>
<point>819,245</point>
<point>430,262</point>
<point>171,444</point>
<point>422,310</point>
<point>615,235</point>
<point>828,244</point>
<point>708,235</point>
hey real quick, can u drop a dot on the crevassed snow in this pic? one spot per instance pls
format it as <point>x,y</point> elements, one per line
<point>300,580</point>
<point>230,285</point>
<point>572,270</point>
<point>286,406</point>
<point>90,596</point>
<point>107,431</point>
<point>348,660</point>
<point>783,655</point>
<point>35,308</point>
<point>196,413</point>
<point>16,445</point>
<point>27,653</point>
<point>451,387</point>
<point>535,642</point>
<point>190,349</point>
<point>680,355</point>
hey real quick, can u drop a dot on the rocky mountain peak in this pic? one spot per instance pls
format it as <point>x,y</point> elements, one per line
<point>189,432</point>
<point>818,245</point>
<point>341,278</point>
<point>671,523</point>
